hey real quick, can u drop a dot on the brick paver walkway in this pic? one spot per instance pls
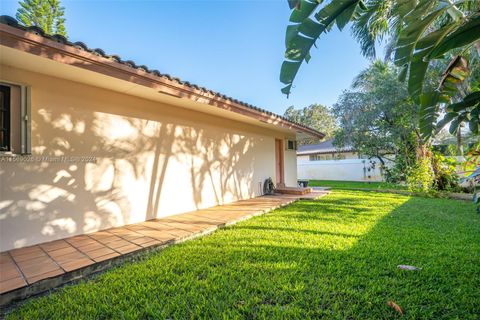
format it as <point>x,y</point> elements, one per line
<point>34,269</point>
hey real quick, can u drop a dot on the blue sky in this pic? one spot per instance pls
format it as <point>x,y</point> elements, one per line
<point>234,47</point>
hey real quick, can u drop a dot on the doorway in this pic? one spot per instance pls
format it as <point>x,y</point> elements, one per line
<point>279,163</point>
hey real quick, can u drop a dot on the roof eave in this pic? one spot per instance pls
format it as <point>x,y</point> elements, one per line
<point>68,54</point>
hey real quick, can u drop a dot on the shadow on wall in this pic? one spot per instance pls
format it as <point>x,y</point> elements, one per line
<point>146,167</point>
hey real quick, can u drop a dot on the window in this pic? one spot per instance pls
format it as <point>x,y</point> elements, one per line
<point>320,157</point>
<point>14,118</point>
<point>291,145</point>
<point>4,118</point>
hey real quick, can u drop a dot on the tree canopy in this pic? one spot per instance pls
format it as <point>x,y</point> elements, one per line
<point>377,116</point>
<point>46,14</point>
<point>315,116</point>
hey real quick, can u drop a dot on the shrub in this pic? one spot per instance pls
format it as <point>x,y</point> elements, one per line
<point>444,170</point>
<point>420,178</point>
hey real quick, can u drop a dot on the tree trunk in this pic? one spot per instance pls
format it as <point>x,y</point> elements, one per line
<point>459,141</point>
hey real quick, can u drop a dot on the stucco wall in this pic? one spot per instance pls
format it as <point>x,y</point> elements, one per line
<point>290,159</point>
<point>152,160</point>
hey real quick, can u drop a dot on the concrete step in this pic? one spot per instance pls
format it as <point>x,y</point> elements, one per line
<point>293,190</point>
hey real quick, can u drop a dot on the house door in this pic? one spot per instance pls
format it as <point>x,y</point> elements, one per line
<point>279,178</point>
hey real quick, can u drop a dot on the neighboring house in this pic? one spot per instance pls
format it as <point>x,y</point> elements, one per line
<point>90,141</point>
<point>325,151</point>
<point>324,161</point>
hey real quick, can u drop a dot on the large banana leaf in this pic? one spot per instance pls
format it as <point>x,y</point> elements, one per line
<point>446,120</point>
<point>301,36</point>
<point>418,64</point>
<point>466,34</point>
<point>404,7</point>
<point>456,33</point>
<point>429,111</point>
<point>416,76</point>
<point>455,73</point>
<point>416,22</point>
<point>455,125</point>
<point>474,122</point>
<point>469,101</point>
<point>303,10</point>
<point>467,110</point>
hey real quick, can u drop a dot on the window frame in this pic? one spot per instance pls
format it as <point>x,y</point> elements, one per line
<point>24,127</point>
<point>5,109</point>
<point>293,144</point>
<point>321,157</point>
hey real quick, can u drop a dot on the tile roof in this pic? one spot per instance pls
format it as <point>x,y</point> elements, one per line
<point>10,21</point>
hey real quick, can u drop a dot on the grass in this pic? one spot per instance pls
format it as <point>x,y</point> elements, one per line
<point>334,184</point>
<point>334,258</point>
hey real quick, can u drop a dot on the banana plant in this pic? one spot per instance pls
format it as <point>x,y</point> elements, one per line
<point>467,110</point>
<point>308,24</point>
<point>421,31</point>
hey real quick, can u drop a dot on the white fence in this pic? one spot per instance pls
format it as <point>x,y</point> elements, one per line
<point>348,170</point>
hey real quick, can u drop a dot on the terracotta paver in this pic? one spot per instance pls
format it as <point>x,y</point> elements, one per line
<point>152,243</point>
<point>96,253</point>
<point>12,284</point>
<point>5,257</point>
<point>77,264</point>
<point>20,268</point>
<point>69,257</point>
<point>107,239</point>
<point>9,271</point>
<point>61,252</point>
<point>42,276</point>
<point>37,266</point>
<point>106,257</point>
<point>157,234</point>
<point>91,247</point>
<point>54,245</point>
<point>179,233</point>
<point>32,252</point>
<point>128,248</point>
<point>141,240</point>
<point>118,243</point>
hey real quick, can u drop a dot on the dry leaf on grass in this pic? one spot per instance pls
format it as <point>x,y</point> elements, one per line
<point>395,307</point>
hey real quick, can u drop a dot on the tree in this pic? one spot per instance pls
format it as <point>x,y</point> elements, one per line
<point>46,14</point>
<point>378,118</point>
<point>315,116</point>
<point>421,32</point>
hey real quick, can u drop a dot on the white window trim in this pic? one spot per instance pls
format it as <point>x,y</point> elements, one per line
<point>25,116</point>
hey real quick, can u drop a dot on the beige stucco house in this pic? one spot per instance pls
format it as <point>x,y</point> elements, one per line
<point>89,141</point>
<point>325,151</point>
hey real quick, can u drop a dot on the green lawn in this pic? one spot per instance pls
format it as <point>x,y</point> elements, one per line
<point>355,185</point>
<point>333,258</point>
